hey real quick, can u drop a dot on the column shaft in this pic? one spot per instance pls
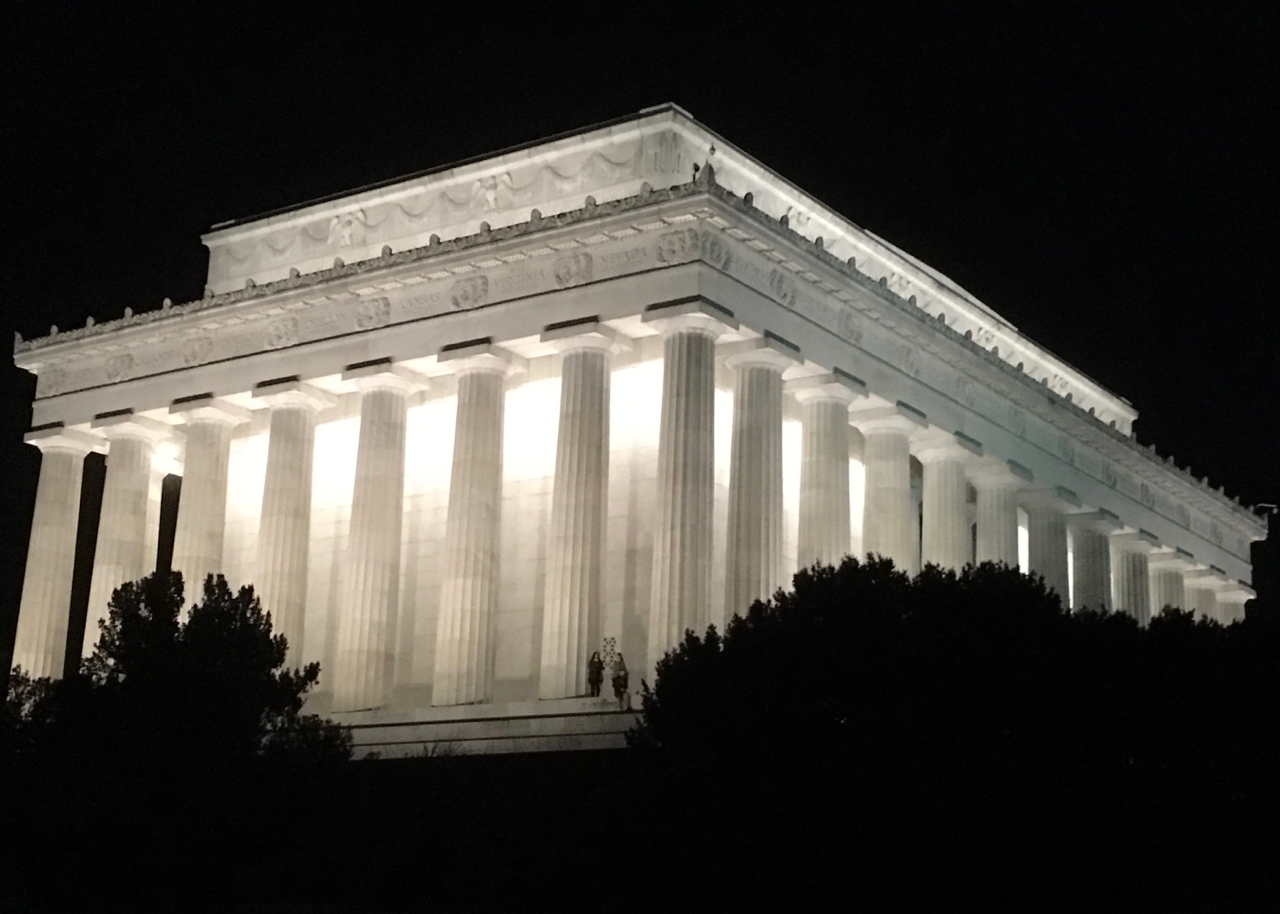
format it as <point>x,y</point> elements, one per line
<point>945,538</point>
<point>681,584</point>
<point>469,588</point>
<point>1166,587</point>
<point>120,554</point>
<point>1130,582</point>
<point>889,521</point>
<point>754,550</point>
<point>202,504</point>
<point>284,528</point>
<point>1091,568</point>
<point>571,607</point>
<point>824,534</point>
<point>1047,547</point>
<point>365,654</point>
<point>40,645</point>
<point>997,520</point>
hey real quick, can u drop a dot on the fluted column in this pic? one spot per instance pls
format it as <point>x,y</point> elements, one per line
<point>40,645</point>
<point>1200,592</point>
<point>575,549</point>
<point>1130,578</point>
<point>469,587</point>
<point>997,485</point>
<point>889,521</point>
<point>1047,536</point>
<point>120,554</point>
<point>365,655</point>
<point>1231,602</point>
<point>682,536</point>
<point>945,538</point>
<point>284,526</point>
<point>754,543</point>
<point>824,534</point>
<point>1165,569</point>
<point>1091,559</point>
<point>202,504</point>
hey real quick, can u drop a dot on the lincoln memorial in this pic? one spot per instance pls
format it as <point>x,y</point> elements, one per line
<point>464,429</point>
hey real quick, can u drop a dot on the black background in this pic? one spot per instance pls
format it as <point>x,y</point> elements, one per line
<point>1105,180</point>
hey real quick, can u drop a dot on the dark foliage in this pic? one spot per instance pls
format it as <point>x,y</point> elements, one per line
<point>963,737</point>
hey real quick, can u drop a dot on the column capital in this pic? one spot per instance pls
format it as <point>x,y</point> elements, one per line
<point>833,385</point>
<point>899,417</point>
<point>1170,559</point>
<point>768,352</point>
<point>481,355</point>
<point>1059,498</point>
<point>127,424</point>
<point>1136,541</point>
<point>1205,579</point>
<point>57,438</point>
<point>291,393</point>
<point>930,444</point>
<point>588,334</point>
<point>993,471</point>
<point>695,315</point>
<point>383,374</point>
<point>207,408</point>
<point>1099,521</point>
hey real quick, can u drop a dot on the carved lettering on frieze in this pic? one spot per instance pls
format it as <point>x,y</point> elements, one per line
<point>120,367</point>
<point>281,333</point>
<point>849,327</point>
<point>783,287</point>
<point>715,250</point>
<point>196,350</point>
<point>420,304</point>
<point>678,247</point>
<point>470,292</point>
<point>1017,421</point>
<point>624,258</point>
<point>373,312</point>
<point>574,270</point>
<point>1067,448</point>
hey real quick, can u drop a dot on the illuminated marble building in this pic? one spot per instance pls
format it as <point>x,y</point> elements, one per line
<point>462,429</point>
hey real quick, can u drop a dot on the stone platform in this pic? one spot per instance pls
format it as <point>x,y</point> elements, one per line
<point>529,726</point>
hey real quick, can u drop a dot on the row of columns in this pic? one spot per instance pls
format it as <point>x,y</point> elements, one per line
<point>1110,569</point>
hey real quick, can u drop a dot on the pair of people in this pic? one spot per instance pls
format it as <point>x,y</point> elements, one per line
<point>618,677</point>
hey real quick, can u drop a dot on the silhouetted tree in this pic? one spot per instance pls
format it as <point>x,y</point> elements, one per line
<point>965,733</point>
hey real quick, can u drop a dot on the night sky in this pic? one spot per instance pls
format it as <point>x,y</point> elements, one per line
<point>1107,182</point>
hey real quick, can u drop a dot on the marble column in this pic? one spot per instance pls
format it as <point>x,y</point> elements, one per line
<point>469,587</point>
<point>946,540</point>
<point>1231,602</point>
<point>579,494</point>
<point>997,485</point>
<point>825,524</point>
<point>284,526</point>
<point>1165,568</point>
<point>889,522</point>
<point>1200,592</point>
<point>1047,537</point>
<point>202,504</point>
<point>753,553</point>
<point>682,538</point>
<point>120,554</point>
<point>1130,577</point>
<point>1091,558</point>
<point>365,656</point>
<point>40,644</point>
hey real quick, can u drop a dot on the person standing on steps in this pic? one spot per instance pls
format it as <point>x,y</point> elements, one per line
<point>595,674</point>
<point>619,677</point>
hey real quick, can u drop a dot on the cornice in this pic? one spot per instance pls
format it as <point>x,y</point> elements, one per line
<point>797,254</point>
